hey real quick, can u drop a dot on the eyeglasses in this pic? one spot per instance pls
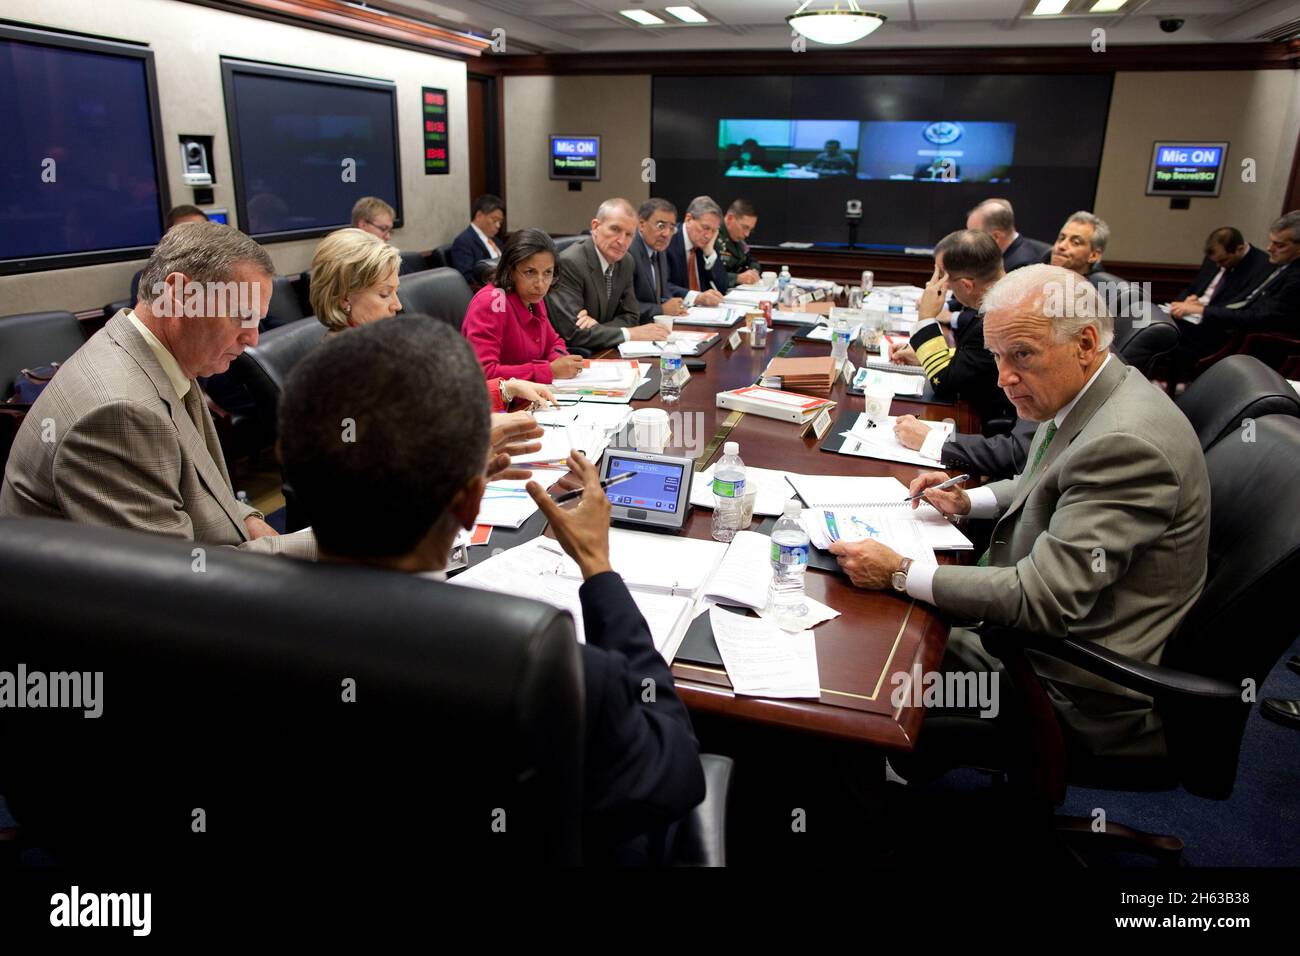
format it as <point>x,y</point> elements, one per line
<point>386,230</point>
<point>668,227</point>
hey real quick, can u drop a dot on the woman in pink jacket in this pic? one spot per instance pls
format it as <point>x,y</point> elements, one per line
<point>506,323</point>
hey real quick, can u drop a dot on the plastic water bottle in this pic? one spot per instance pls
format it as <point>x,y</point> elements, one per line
<point>789,563</point>
<point>840,335</point>
<point>728,492</point>
<point>895,310</point>
<point>782,281</point>
<point>670,373</point>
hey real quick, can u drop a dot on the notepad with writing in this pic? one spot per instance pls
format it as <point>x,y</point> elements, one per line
<point>877,494</point>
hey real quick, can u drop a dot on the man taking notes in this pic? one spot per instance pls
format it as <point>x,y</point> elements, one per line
<point>695,270</point>
<point>593,303</point>
<point>741,265</point>
<point>121,436</point>
<point>1103,536</point>
<point>656,224</point>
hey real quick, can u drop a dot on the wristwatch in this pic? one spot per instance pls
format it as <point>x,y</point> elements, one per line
<point>506,397</point>
<point>899,578</point>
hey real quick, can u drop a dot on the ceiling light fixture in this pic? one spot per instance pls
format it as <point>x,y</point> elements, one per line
<point>1107,6</point>
<point>1049,8</point>
<point>838,25</point>
<point>687,14</point>
<point>643,17</point>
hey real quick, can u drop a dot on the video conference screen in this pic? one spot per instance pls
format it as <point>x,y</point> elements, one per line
<point>940,151</point>
<point>307,145</point>
<point>79,170</point>
<point>917,151</point>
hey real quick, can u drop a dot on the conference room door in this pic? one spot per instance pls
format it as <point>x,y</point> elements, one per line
<point>484,135</point>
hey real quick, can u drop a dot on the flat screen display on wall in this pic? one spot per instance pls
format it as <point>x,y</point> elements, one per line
<point>305,145</point>
<point>1185,168</point>
<point>81,168</point>
<point>575,157</point>
<point>916,151</point>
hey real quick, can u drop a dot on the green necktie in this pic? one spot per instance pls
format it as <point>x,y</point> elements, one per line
<point>1048,435</point>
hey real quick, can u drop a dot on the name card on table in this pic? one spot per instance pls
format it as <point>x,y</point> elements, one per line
<point>733,343</point>
<point>849,372</point>
<point>819,426</point>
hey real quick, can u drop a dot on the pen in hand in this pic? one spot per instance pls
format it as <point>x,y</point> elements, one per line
<point>939,487</point>
<point>607,483</point>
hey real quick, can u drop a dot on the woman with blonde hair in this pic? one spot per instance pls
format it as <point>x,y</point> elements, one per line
<point>354,280</point>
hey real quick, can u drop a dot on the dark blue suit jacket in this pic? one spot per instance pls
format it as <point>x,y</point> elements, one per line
<point>678,278</point>
<point>649,295</point>
<point>1024,251</point>
<point>642,767</point>
<point>467,249</point>
<point>1237,282</point>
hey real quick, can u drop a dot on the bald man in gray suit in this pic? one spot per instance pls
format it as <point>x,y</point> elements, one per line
<point>1104,535</point>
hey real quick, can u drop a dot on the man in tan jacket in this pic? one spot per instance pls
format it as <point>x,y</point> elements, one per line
<point>121,436</point>
<point>1103,537</point>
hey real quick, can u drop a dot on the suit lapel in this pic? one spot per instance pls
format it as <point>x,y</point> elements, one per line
<point>204,450</point>
<point>1096,396</point>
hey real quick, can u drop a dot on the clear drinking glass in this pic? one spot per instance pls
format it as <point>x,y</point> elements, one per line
<point>868,282</point>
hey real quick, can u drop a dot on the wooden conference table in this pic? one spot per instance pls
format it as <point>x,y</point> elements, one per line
<point>877,634</point>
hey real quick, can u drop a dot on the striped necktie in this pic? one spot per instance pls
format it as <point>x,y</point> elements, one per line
<point>609,283</point>
<point>1048,435</point>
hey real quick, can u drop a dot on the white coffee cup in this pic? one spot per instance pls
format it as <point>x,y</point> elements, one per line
<point>650,429</point>
<point>666,321</point>
<point>769,280</point>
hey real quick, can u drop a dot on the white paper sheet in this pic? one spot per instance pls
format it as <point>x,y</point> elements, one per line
<point>764,661</point>
<point>773,489</point>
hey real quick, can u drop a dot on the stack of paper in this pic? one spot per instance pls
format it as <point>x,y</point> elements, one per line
<point>607,378</point>
<point>764,661</point>
<point>868,439</point>
<point>720,316</point>
<point>880,496</point>
<point>773,403</point>
<point>905,380</point>
<point>558,441</point>
<point>773,489</point>
<point>750,296</point>
<point>687,342</point>
<point>506,504</point>
<point>815,375</point>
<point>826,526</point>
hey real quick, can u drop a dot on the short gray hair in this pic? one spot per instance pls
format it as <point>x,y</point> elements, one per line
<point>1288,223</point>
<point>703,206</point>
<point>1100,231</point>
<point>203,252</point>
<point>610,206</point>
<point>1066,299</point>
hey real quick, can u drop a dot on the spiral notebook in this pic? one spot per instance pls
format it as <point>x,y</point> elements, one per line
<point>876,495</point>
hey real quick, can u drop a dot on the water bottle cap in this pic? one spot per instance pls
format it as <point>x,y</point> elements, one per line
<point>792,508</point>
<point>731,448</point>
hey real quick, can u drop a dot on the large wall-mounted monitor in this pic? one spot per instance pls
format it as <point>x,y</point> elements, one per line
<point>1186,168</point>
<point>82,176</point>
<point>305,145</point>
<point>575,157</point>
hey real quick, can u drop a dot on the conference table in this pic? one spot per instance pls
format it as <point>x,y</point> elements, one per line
<point>877,634</point>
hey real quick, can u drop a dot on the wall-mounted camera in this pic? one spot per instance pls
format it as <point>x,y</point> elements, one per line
<point>1171,24</point>
<point>196,160</point>
<point>853,209</point>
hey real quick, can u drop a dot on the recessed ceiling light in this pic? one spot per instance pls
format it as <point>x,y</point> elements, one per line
<point>643,17</point>
<point>1107,6</point>
<point>1048,8</point>
<point>687,14</point>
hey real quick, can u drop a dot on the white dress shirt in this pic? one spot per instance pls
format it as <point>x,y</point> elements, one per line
<point>492,246</point>
<point>984,504</point>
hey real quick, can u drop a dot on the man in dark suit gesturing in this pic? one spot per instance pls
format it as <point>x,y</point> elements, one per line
<point>593,304</point>
<point>656,224</point>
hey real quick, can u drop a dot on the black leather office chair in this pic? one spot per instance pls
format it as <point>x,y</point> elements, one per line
<point>31,339</point>
<point>413,262</point>
<point>286,306</point>
<point>317,715</point>
<point>485,270</point>
<point>1232,390</point>
<point>1141,344</point>
<point>264,368</point>
<point>440,257</point>
<point>1236,632</point>
<point>564,242</point>
<point>441,293</point>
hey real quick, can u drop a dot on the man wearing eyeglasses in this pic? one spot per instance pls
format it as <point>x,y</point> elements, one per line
<point>374,216</point>
<point>478,240</point>
<point>695,270</point>
<point>656,224</point>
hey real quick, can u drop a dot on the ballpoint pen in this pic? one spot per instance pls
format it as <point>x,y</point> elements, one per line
<point>607,483</point>
<point>943,484</point>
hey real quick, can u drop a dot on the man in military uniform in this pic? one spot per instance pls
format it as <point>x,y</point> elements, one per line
<point>740,220</point>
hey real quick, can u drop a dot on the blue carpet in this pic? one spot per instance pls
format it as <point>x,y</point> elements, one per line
<point>1255,826</point>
